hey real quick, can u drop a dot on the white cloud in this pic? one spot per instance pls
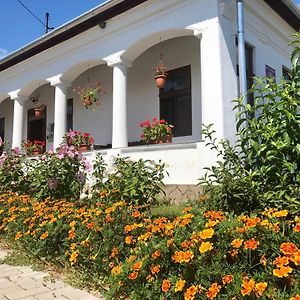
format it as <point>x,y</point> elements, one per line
<point>3,53</point>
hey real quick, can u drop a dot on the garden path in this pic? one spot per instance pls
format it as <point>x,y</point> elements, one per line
<point>19,282</point>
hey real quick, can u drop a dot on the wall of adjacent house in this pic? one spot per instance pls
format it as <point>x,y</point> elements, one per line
<point>6,111</point>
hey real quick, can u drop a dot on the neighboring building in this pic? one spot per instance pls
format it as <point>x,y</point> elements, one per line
<point>119,44</point>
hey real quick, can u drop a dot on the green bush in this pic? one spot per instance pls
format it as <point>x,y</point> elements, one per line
<point>263,167</point>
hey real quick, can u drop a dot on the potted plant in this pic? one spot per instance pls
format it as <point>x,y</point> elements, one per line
<point>90,95</point>
<point>34,148</point>
<point>38,110</point>
<point>156,131</point>
<point>160,75</point>
<point>81,141</point>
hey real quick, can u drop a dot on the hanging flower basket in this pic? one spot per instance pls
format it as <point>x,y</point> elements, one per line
<point>90,96</point>
<point>38,112</point>
<point>160,75</point>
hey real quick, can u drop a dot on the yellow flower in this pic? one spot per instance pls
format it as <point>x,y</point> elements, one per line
<point>183,256</point>
<point>44,235</point>
<point>179,285</point>
<point>247,286</point>
<point>207,233</point>
<point>205,246</point>
<point>282,272</point>
<point>116,270</point>
<point>73,257</point>
<point>260,288</point>
<point>281,213</point>
<point>18,235</point>
<point>72,224</point>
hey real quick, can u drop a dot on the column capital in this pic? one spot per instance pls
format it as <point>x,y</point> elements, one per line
<point>58,81</point>
<point>17,95</point>
<point>117,59</point>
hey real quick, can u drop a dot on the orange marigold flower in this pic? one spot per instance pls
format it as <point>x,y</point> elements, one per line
<point>252,222</point>
<point>133,275</point>
<point>129,239</point>
<point>165,285</point>
<point>211,223</point>
<point>251,244</point>
<point>237,243</point>
<point>179,285</point>
<point>156,254</point>
<point>183,256</point>
<point>297,227</point>
<point>288,248</point>
<point>205,246</point>
<point>18,235</point>
<point>241,229</point>
<point>227,279</point>
<point>263,260</point>
<point>282,272</point>
<point>296,258</point>
<point>281,261</point>
<point>170,242</point>
<point>44,235</point>
<point>155,269</point>
<point>247,286</point>
<point>207,233</point>
<point>213,291</point>
<point>116,270</point>
<point>281,213</point>
<point>190,293</point>
<point>114,252</point>
<point>137,266</point>
<point>149,278</point>
<point>136,214</point>
<point>297,297</point>
<point>71,234</point>
<point>72,224</point>
<point>260,288</point>
<point>73,256</point>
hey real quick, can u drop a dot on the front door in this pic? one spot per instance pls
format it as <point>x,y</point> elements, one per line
<point>36,126</point>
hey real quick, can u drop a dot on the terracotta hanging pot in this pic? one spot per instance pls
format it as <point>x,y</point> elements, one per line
<point>38,112</point>
<point>160,81</point>
<point>83,148</point>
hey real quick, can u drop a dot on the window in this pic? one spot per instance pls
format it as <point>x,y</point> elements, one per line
<point>70,114</point>
<point>286,73</point>
<point>176,101</point>
<point>270,72</point>
<point>249,70</point>
<point>2,128</point>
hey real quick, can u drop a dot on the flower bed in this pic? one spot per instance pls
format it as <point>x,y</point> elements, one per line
<point>197,255</point>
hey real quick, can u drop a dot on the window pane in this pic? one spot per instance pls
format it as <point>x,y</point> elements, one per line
<point>2,127</point>
<point>178,79</point>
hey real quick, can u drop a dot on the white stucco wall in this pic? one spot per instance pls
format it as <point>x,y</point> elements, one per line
<point>6,111</point>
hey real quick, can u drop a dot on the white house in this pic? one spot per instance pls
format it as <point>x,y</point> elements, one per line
<point>119,43</point>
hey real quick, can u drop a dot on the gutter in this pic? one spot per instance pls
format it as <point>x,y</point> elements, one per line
<point>86,21</point>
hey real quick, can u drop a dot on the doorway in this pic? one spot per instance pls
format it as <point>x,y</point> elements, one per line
<point>36,126</point>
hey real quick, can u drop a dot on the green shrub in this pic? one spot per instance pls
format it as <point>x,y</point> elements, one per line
<point>262,168</point>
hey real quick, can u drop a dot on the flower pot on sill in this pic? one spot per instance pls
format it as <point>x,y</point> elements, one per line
<point>38,112</point>
<point>164,139</point>
<point>83,148</point>
<point>36,152</point>
<point>160,81</point>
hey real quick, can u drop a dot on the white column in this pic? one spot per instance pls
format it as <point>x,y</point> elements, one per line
<point>119,124</point>
<point>60,109</point>
<point>17,118</point>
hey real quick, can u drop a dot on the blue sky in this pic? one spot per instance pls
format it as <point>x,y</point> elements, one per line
<point>19,28</point>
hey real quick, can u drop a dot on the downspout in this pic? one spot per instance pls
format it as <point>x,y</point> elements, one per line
<point>241,50</point>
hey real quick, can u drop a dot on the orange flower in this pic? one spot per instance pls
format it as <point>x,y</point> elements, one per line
<point>114,252</point>
<point>73,257</point>
<point>282,272</point>
<point>155,269</point>
<point>297,227</point>
<point>237,243</point>
<point>260,288</point>
<point>71,234</point>
<point>207,233</point>
<point>129,239</point>
<point>165,285</point>
<point>190,293</point>
<point>247,286</point>
<point>156,254</point>
<point>296,258</point>
<point>183,256</point>
<point>18,235</point>
<point>133,275</point>
<point>213,291</point>
<point>227,279</point>
<point>205,246</point>
<point>137,266</point>
<point>288,248</point>
<point>44,235</point>
<point>281,261</point>
<point>251,244</point>
<point>179,285</point>
<point>297,297</point>
<point>136,214</point>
